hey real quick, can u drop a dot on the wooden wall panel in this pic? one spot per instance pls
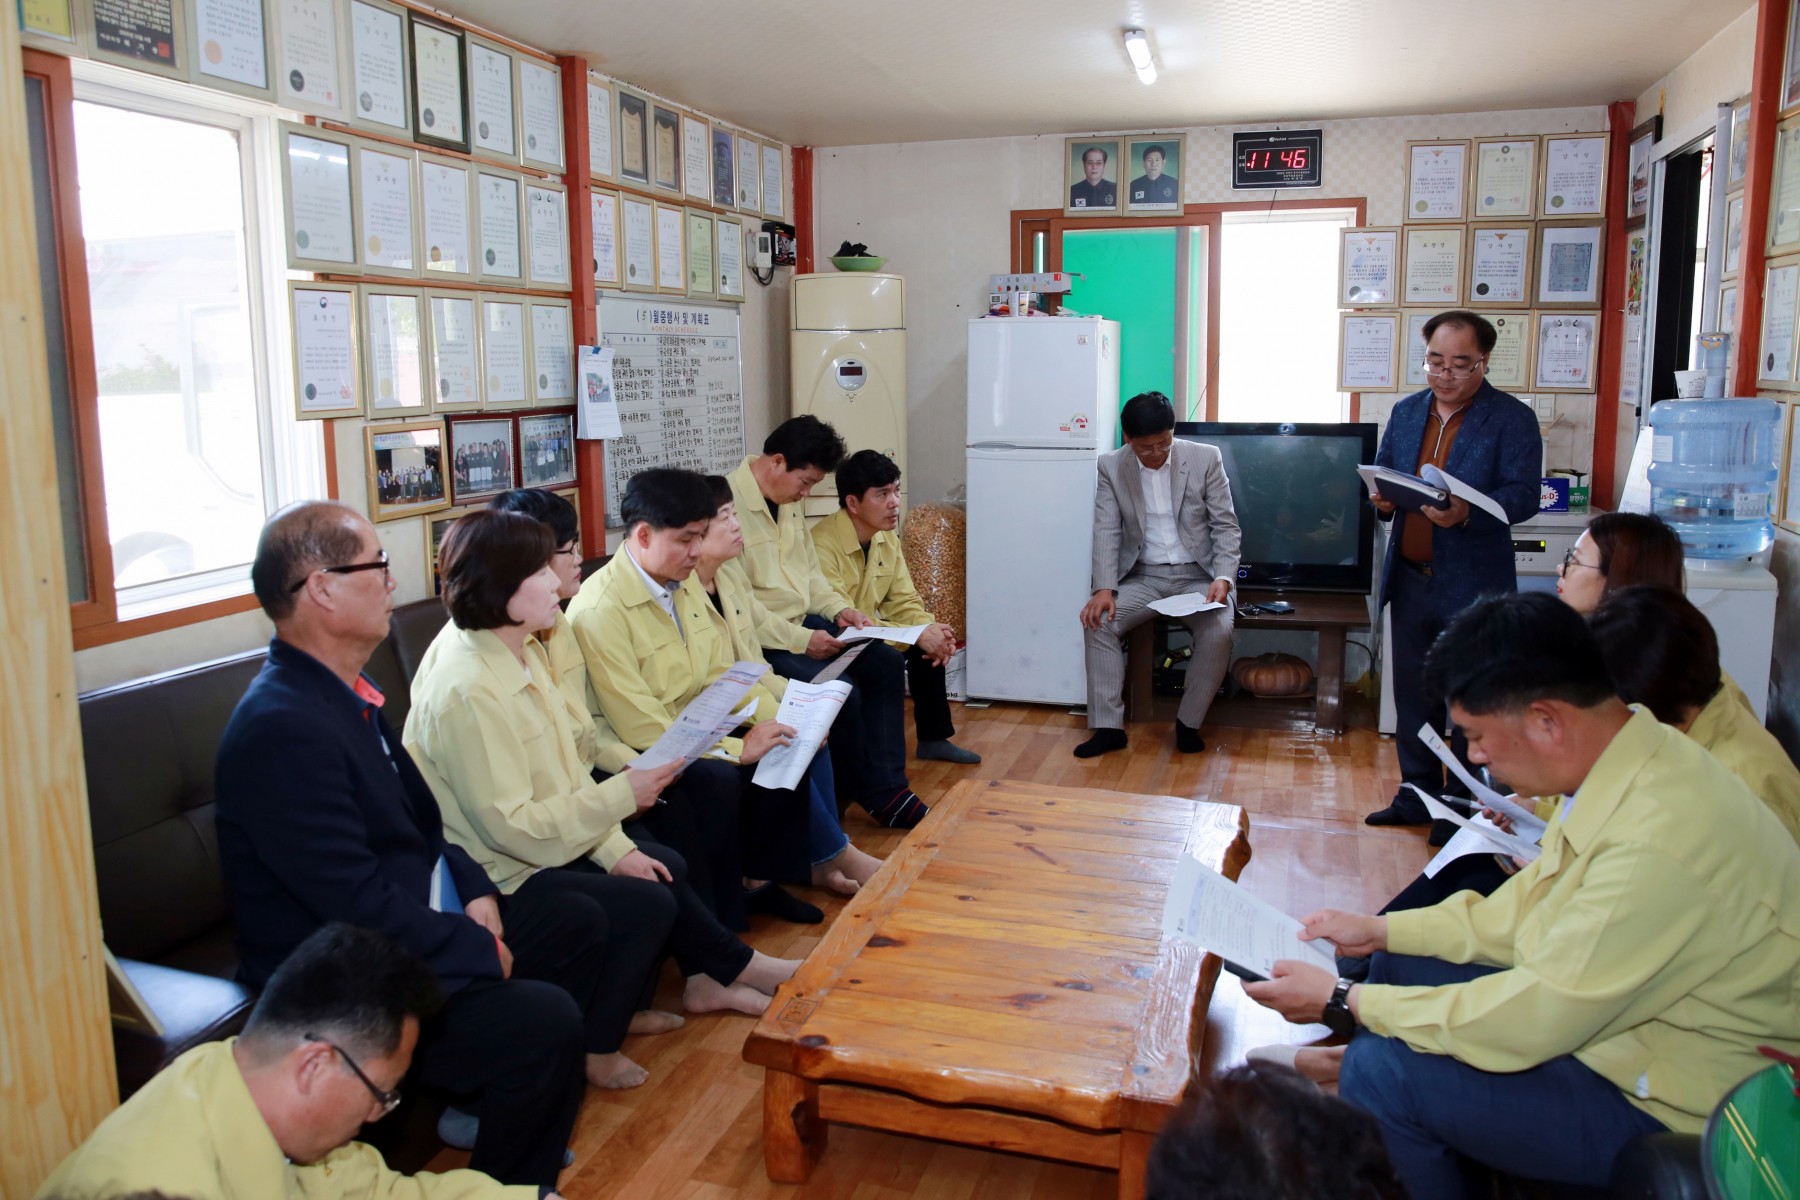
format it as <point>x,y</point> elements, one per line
<point>56,1069</point>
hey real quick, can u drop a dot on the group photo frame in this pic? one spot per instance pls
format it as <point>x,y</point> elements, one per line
<point>405,463</point>
<point>546,449</point>
<point>483,457</point>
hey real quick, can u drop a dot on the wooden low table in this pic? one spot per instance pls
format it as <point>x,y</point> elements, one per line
<point>1004,983</point>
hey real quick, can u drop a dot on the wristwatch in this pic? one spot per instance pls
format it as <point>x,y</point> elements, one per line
<point>1338,1017</point>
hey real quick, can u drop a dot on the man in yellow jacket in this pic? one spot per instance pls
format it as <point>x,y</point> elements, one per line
<point>1620,985</point>
<point>860,557</point>
<point>270,1114</point>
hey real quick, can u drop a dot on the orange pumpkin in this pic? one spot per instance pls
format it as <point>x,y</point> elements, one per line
<point>1273,674</point>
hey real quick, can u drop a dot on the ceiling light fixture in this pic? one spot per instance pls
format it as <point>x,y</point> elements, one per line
<point>1138,47</point>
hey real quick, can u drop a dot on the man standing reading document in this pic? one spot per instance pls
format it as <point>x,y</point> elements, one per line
<point>1163,526</point>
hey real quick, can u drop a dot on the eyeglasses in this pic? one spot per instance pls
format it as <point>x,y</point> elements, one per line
<point>389,1101</point>
<point>1569,561</point>
<point>380,564</point>
<point>573,550</point>
<point>1442,370</point>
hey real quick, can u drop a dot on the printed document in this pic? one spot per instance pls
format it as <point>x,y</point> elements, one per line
<point>809,708</point>
<point>1503,843</point>
<point>885,633</point>
<point>1526,823</point>
<point>1210,910</point>
<point>707,718</point>
<point>838,665</point>
<point>1184,605</point>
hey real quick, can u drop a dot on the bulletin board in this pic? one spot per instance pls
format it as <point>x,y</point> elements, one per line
<point>679,385</point>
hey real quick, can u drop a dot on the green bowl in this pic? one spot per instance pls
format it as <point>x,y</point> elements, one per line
<point>857,262</point>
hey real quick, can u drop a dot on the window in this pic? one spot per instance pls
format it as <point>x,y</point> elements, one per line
<point>1278,317</point>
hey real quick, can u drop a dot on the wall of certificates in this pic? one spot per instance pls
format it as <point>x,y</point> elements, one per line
<point>1510,227</point>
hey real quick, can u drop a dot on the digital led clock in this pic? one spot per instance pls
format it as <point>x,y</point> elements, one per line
<point>1289,158</point>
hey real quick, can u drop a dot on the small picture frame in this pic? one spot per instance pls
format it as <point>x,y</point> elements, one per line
<point>546,450</point>
<point>1573,179</point>
<point>1734,235</point>
<point>493,101</point>
<point>446,217</point>
<point>1500,262</point>
<point>318,199</point>
<point>671,250</point>
<point>1091,169</point>
<point>774,181</point>
<point>440,84</point>
<point>436,526</point>
<point>230,45</point>
<point>1369,267</point>
<point>724,168</point>
<point>394,352</point>
<point>53,25</point>
<point>1509,362</point>
<point>603,213</point>
<point>637,243</point>
<point>1437,180</point>
<point>505,352</point>
<point>702,256</point>
<point>453,355</point>
<point>540,114</point>
<point>665,150</point>
<point>1154,165</point>
<point>1432,265</point>
<point>633,145</point>
<point>147,36</point>
<point>323,326</point>
<point>500,227</point>
<point>546,235</point>
<point>380,68</point>
<point>749,173</point>
<point>405,465</point>
<point>730,249</point>
<point>1737,162</point>
<point>483,458</point>
<point>602,129</point>
<point>552,351</point>
<point>1368,348</point>
<point>1505,178</point>
<point>1564,347</point>
<point>1637,181</point>
<point>696,157</point>
<point>1569,260</point>
<point>387,210</point>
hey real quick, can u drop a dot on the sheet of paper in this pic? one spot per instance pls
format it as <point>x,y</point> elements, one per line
<point>598,414</point>
<point>698,726</point>
<point>839,665</point>
<point>885,633</point>
<point>1431,474</point>
<point>1526,823</point>
<point>1504,843</point>
<point>1466,842</point>
<point>810,708</point>
<point>1184,605</point>
<point>1208,909</point>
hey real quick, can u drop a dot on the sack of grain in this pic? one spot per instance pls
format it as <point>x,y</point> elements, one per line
<point>934,542</point>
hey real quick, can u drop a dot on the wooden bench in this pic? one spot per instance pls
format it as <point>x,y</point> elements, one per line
<point>1004,983</point>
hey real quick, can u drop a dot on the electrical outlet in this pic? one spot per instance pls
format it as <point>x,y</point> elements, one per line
<point>1545,407</point>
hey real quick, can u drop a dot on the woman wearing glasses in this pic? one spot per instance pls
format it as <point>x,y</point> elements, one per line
<point>509,756</point>
<point>1619,550</point>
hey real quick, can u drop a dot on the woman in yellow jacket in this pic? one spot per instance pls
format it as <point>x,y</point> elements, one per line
<point>509,757</point>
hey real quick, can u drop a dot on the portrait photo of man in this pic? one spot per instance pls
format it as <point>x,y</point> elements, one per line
<point>1155,187</point>
<point>1091,168</point>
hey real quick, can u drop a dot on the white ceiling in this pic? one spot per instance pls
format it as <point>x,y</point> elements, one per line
<point>848,72</point>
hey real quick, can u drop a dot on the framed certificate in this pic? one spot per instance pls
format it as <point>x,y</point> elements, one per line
<point>380,73</point>
<point>634,138</point>
<point>603,208</point>
<point>600,128</point>
<point>1505,178</point>
<point>1637,178</point>
<point>1369,267</point>
<point>51,25</point>
<point>453,357</point>
<point>309,57</point>
<point>1367,346</point>
<point>1788,514</point>
<point>702,259</point>
<point>547,450</point>
<point>318,198</point>
<point>230,48</point>
<point>437,526</point>
<point>1564,348</point>
<point>1739,160</point>
<point>497,219</point>
<point>481,457</point>
<point>774,187</point>
<point>503,352</point>
<point>749,173</point>
<point>493,111</point>
<point>1569,261</point>
<point>1437,176</point>
<point>393,338</point>
<point>546,235</point>
<point>1574,175</point>
<point>540,114</point>
<point>730,249</point>
<point>1790,69</point>
<point>671,256</point>
<point>1784,198</point>
<point>405,469</point>
<point>440,85</point>
<point>444,218</point>
<point>1728,303</point>
<point>145,35</point>
<point>724,169</point>
<point>696,158</point>
<point>386,213</point>
<point>1500,264</point>
<point>1412,348</point>
<point>665,150</point>
<point>552,351</point>
<point>1775,355</point>
<point>637,237</point>
<point>1734,235</point>
<point>1432,271</point>
<point>322,322</point>
<point>1509,362</point>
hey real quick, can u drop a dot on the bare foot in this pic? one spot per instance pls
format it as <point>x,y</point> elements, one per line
<point>1321,1064</point>
<point>857,865</point>
<point>827,876</point>
<point>705,994</point>
<point>614,1071</point>
<point>765,974</point>
<point>651,1020</point>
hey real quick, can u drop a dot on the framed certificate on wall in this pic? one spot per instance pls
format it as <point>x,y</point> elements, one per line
<point>386,212</point>
<point>318,198</point>
<point>323,325</point>
<point>1569,262</point>
<point>453,360</point>
<point>493,106</point>
<point>1784,192</point>
<point>600,128</point>
<point>1500,265</point>
<point>1367,347</point>
<point>671,251</point>
<point>1574,175</point>
<point>497,214</point>
<point>394,351</point>
<point>702,259</point>
<point>445,225</point>
<point>696,157</point>
<point>1505,178</point>
<point>1369,267</point>
<point>504,351</point>
<point>546,235</point>
<point>1564,350</point>
<point>604,211</point>
<point>145,35</point>
<point>1437,181</point>
<point>309,57</point>
<point>380,68</point>
<point>637,238</point>
<point>730,237</point>
<point>1509,362</point>
<point>540,113</point>
<point>552,351</point>
<point>1775,357</point>
<point>440,88</point>
<point>230,46</point>
<point>1433,267</point>
<point>634,138</point>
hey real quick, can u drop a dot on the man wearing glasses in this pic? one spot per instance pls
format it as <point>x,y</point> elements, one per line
<point>1440,560</point>
<point>271,1113</point>
<point>323,817</point>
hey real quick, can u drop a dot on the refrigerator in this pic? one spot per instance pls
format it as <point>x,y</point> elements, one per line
<point>1043,405</point>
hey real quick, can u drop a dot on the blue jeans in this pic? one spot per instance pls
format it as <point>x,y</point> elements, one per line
<point>868,739</point>
<point>1558,1121</point>
<point>825,837</point>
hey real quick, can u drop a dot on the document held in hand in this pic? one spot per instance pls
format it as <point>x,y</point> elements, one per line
<point>707,718</point>
<point>1502,842</point>
<point>1210,910</point>
<point>1184,605</point>
<point>1430,488</point>
<point>810,708</point>
<point>1526,823</point>
<point>884,633</point>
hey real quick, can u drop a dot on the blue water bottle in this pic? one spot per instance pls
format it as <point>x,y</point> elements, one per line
<point>1713,471</point>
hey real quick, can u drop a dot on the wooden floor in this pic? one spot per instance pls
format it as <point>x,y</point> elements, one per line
<point>693,1132</point>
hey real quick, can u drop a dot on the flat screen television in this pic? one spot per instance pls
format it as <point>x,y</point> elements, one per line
<point>1306,520</point>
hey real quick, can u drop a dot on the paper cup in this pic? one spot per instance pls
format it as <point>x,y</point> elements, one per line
<point>1690,385</point>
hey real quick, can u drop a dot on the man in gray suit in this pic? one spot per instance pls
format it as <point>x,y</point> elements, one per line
<point>1163,526</point>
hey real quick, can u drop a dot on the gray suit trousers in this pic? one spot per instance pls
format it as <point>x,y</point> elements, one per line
<point>1211,633</point>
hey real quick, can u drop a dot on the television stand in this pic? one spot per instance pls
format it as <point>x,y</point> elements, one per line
<point>1330,614</point>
